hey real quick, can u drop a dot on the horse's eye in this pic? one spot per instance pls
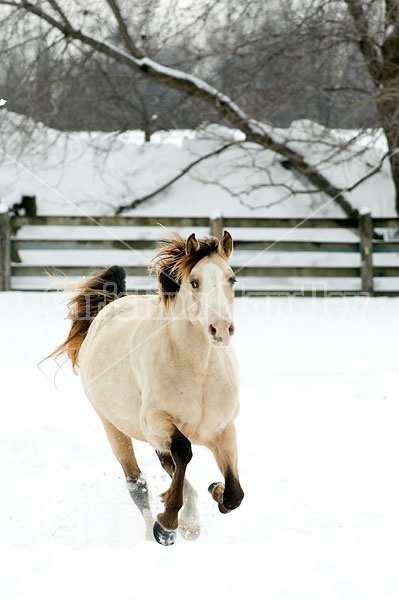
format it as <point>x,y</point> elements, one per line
<point>194,284</point>
<point>232,280</point>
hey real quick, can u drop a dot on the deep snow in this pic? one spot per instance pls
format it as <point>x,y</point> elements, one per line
<point>318,448</point>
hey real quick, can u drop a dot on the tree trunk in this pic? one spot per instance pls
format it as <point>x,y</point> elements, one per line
<point>382,63</point>
<point>394,162</point>
<point>388,108</point>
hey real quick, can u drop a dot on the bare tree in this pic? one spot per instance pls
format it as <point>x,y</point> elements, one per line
<point>376,35</point>
<point>241,63</point>
<point>82,28</point>
<point>347,56</point>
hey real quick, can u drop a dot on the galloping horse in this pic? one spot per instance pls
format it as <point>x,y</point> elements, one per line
<point>160,368</point>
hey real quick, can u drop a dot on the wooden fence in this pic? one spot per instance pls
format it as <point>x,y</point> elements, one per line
<point>34,234</point>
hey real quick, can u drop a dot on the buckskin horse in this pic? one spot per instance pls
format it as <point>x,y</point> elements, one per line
<point>160,368</point>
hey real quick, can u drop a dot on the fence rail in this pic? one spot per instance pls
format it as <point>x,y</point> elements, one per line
<point>27,235</point>
<point>265,222</point>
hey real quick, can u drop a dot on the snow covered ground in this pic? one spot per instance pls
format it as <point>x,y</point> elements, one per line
<point>318,447</point>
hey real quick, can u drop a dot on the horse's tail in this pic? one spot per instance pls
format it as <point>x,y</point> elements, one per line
<point>92,295</point>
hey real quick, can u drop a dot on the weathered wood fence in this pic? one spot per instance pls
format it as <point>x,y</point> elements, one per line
<point>255,277</point>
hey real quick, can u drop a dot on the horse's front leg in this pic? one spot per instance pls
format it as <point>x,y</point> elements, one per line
<point>230,494</point>
<point>167,438</point>
<point>166,524</point>
<point>189,521</point>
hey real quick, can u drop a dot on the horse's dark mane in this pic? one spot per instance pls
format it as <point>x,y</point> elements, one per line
<point>171,264</point>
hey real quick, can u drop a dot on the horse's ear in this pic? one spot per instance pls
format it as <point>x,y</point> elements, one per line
<point>192,244</point>
<point>226,244</point>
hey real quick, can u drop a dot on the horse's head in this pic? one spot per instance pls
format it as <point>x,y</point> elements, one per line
<point>207,288</point>
<point>196,282</point>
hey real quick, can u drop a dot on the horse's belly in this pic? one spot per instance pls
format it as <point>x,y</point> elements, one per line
<point>117,400</point>
<point>109,382</point>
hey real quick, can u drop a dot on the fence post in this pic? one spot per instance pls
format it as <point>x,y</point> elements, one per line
<point>5,255</point>
<point>366,250</point>
<point>216,224</point>
<point>28,203</point>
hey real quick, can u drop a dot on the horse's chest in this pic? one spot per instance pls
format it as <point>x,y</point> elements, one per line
<point>200,393</point>
<point>206,406</point>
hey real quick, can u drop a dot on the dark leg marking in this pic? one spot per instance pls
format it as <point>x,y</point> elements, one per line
<point>181,454</point>
<point>233,492</point>
<point>180,449</point>
<point>189,525</point>
<point>228,496</point>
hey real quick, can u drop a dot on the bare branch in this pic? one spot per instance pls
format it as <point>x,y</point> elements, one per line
<point>370,173</point>
<point>138,201</point>
<point>35,10</point>
<point>191,85</point>
<point>113,4</point>
<point>365,40</point>
<point>61,13</point>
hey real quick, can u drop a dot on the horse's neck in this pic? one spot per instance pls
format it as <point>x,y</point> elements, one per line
<point>189,340</point>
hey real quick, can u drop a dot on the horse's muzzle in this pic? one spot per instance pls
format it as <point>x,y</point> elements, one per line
<point>221,332</point>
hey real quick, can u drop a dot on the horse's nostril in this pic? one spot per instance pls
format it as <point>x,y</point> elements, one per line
<point>212,330</point>
<point>231,329</point>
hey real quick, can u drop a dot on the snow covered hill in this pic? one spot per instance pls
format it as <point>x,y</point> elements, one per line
<point>81,173</point>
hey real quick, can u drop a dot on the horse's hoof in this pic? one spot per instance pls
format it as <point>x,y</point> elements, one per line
<point>216,491</point>
<point>163,536</point>
<point>189,531</point>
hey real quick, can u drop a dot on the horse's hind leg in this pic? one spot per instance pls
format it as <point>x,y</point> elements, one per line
<point>122,447</point>
<point>189,522</point>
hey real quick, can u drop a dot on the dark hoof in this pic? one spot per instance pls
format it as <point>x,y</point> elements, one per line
<point>216,491</point>
<point>223,509</point>
<point>163,536</point>
<point>227,500</point>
